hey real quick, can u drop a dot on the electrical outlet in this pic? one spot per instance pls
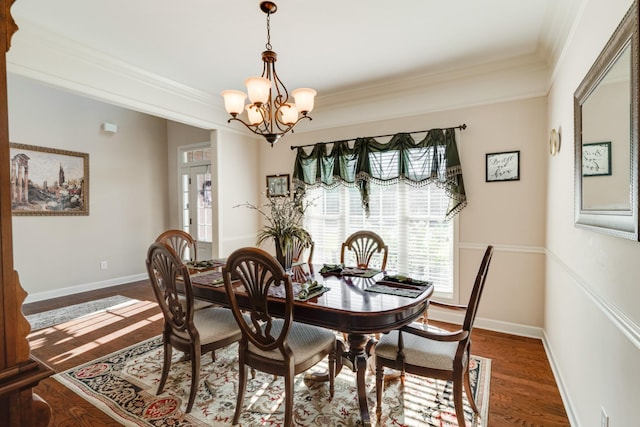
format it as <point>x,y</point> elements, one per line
<point>604,418</point>
<point>103,265</point>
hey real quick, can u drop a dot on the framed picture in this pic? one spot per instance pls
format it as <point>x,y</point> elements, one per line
<point>596,159</point>
<point>504,166</point>
<point>277,185</point>
<point>46,181</point>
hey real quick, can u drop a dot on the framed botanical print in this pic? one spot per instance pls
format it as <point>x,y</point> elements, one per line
<point>277,185</point>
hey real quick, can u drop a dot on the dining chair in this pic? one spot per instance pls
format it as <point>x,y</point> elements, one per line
<point>300,247</point>
<point>187,249</point>
<point>194,332</point>
<point>439,354</point>
<point>278,346</point>
<point>181,242</point>
<point>363,245</point>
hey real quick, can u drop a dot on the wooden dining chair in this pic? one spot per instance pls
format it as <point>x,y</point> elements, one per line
<point>191,331</point>
<point>278,346</point>
<point>300,248</point>
<point>364,245</point>
<point>443,355</point>
<point>181,242</point>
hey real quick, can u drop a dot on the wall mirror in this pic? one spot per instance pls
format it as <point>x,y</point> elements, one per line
<point>606,136</point>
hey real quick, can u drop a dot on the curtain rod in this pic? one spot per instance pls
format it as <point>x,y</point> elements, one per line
<point>461,127</point>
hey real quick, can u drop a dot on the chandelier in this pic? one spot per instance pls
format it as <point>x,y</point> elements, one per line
<point>269,112</point>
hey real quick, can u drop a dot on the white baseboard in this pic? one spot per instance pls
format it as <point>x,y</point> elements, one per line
<point>520,330</point>
<point>489,324</point>
<point>566,400</point>
<point>40,296</point>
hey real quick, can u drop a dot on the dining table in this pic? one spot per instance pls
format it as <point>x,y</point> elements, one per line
<point>351,301</point>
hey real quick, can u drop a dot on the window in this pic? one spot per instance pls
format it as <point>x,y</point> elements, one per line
<point>197,155</point>
<point>409,219</point>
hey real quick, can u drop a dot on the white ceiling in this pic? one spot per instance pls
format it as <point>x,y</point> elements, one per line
<point>335,46</point>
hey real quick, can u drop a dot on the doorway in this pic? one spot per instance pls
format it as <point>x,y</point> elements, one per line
<point>196,201</point>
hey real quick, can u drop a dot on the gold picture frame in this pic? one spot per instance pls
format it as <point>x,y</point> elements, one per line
<point>47,181</point>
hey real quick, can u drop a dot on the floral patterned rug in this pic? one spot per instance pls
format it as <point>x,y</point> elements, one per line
<point>123,385</point>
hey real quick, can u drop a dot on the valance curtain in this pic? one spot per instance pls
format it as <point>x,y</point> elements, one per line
<point>433,159</point>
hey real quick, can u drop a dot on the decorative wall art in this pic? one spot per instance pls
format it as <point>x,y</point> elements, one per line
<point>277,185</point>
<point>596,159</point>
<point>47,181</point>
<point>504,166</point>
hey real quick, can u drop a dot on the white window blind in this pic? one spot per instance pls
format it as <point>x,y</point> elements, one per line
<point>410,220</point>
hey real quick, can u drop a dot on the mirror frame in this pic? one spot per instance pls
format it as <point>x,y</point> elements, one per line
<point>618,223</point>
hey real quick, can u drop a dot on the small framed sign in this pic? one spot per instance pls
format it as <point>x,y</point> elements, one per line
<point>504,166</point>
<point>277,185</point>
<point>596,159</point>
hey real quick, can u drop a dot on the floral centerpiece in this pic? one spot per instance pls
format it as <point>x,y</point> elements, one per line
<point>283,223</point>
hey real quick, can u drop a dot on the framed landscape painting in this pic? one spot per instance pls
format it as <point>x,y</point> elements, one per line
<point>47,181</point>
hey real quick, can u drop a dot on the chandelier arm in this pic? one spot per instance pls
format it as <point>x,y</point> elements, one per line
<point>252,128</point>
<point>291,126</point>
<point>278,83</point>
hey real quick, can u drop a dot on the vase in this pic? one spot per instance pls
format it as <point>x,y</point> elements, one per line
<point>284,255</point>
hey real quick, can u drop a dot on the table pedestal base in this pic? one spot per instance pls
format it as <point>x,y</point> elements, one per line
<point>356,358</point>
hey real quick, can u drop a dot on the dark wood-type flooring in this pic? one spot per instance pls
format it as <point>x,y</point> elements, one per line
<point>523,389</point>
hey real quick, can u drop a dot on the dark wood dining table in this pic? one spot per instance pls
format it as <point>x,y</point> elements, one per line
<point>346,307</point>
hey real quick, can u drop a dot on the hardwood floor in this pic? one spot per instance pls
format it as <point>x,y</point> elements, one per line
<point>523,389</point>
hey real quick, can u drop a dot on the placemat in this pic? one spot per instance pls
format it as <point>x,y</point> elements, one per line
<point>213,278</point>
<point>207,264</point>
<point>398,278</point>
<point>278,291</point>
<point>360,272</point>
<point>382,288</point>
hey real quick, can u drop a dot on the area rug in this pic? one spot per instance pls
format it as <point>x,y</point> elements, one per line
<point>123,385</point>
<point>55,317</point>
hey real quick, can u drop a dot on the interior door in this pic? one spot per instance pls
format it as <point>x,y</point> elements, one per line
<point>196,212</point>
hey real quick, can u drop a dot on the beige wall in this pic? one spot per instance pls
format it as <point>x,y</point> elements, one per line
<point>238,182</point>
<point>509,215</point>
<point>592,315</point>
<point>133,190</point>
<point>128,191</point>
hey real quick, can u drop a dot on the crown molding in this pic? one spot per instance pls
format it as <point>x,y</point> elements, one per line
<point>52,59</point>
<point>49,58</point>
<point>389,88</point>
<point>521,78</point>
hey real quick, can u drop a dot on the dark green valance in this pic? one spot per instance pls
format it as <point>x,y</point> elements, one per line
<point>433,159</point>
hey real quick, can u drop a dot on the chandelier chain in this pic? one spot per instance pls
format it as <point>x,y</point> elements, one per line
<point>268,45</point>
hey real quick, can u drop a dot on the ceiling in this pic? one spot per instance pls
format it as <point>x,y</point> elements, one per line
<point>346,50</point>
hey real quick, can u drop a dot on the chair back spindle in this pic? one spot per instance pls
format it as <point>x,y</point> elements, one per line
<point>364,245</point>
<point>184,245</point>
